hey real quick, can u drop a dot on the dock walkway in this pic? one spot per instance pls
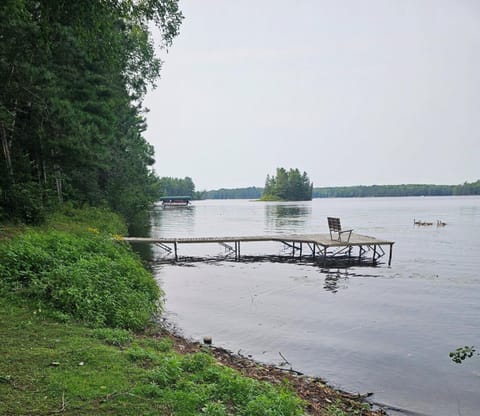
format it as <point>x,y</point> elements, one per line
<point>321,246</point>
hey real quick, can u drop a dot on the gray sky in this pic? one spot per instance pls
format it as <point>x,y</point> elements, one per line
<point>352,92</point>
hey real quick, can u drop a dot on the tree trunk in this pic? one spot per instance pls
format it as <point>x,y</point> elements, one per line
<point>58,182</point>
<point>6,151</point>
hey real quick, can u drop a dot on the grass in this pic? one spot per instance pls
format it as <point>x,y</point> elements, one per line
<point>49,366</point>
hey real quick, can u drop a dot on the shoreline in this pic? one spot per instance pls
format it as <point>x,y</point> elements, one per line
<point>313,390</point>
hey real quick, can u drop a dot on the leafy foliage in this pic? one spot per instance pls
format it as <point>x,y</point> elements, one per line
<point>288,186</point>
<point>88,277</point>
<point>71,119</point>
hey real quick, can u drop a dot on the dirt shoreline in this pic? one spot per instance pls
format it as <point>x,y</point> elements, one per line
<point>313,390</point>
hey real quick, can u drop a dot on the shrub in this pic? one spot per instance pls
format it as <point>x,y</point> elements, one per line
<point>24,202</point>
<point>87,276</point>
<point>87,219</point>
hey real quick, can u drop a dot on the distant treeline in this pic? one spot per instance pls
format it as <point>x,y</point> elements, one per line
<point>397,190</point>
<point>253,192</point>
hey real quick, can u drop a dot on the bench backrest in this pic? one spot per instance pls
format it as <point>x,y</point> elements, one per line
<point>334,224</point>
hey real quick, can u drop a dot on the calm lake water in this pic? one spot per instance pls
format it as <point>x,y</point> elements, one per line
<point>364,329</point>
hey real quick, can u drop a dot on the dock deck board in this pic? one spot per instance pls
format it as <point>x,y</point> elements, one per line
<point>322,239</point>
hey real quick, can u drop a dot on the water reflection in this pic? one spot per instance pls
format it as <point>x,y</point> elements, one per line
<point>141,228</point>
<point>287,217</point>
<point>156,217</point>
<point>140,225</point>
<point>161,222</point>
<point>173,221</point>
<point>335,281</point>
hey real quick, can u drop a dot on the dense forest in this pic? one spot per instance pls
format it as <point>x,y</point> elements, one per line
<point>74,75</point>
<point>288,185</point>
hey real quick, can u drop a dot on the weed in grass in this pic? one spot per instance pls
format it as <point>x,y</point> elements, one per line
<point>337,409</point>
<point>59,316</point>
<point>215,409</point>
<point>145,357</point>
<point>197,362</point>
<point>167,372</point>
<point>160,345</point>
<point>113,336</point>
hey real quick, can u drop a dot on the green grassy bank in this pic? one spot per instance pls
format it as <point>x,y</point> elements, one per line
<point>52,367</point>
<point>74,307</point>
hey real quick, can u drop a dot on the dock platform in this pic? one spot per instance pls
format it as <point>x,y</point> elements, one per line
<point>320,246</point>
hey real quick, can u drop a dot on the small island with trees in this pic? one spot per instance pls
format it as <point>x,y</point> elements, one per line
<point>288,185</point>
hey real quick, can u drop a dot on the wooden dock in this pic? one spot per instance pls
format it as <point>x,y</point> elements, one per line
<point>319,246</point>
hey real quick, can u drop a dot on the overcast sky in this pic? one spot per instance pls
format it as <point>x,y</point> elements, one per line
<point>352,92</point>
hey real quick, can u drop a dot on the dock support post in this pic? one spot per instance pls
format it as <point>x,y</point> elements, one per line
<point>301,245</point>
<point>374,260</point>
<point>237,250</point>
<point>390,255</point>
<point>175,248</point>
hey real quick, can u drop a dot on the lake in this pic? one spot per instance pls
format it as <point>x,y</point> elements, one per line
<point>385,330</point>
